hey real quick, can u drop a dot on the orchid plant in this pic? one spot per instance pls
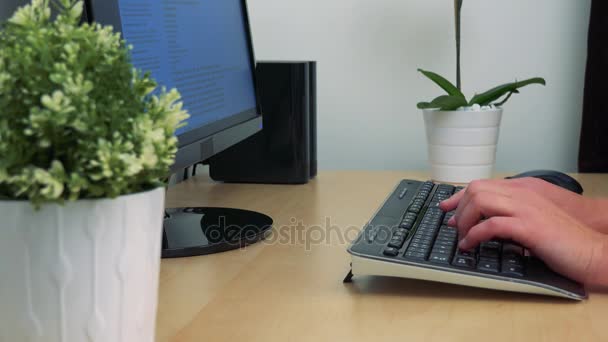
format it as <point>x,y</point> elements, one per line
<point>455,99</point>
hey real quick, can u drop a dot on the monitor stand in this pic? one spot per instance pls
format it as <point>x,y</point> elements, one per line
<point>200,231</point>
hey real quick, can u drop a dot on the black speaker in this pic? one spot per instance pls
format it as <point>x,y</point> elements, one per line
<point>285,150</point>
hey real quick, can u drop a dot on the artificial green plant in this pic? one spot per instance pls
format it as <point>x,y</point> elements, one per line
<point>76,119</point>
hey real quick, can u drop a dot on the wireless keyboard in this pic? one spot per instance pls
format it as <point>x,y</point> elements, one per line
<point>408,237</point>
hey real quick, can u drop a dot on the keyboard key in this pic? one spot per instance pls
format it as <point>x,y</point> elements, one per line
<point>408,219</point>
<point>429,224</point>
<point>513,255</point>
<point>446,238</point>
<point>406,225</point>
<point>399,236</point>
<point>415,255</point>
<point>447,217</point>
<point>391,251</point>
<point>422,195</point>
<point>490,260</point>
<point>448,230</point>
<point>423,238</point>
<point>418,250</point>
<point>446,187</point>
<point>424,246</point>
<point>439,259</point>
<point>396,243</point>
<point>410,216</point>
<point>512,260</point>
<point>485,266</point>
<point>425,235</point>
<point>445,243</point>
<point>421,242</point>
<point>402,231</point>
<point>434,203</point>
<point>490,253</point>
<point>492,244</point>
<point>436,211</point>
<point>510,249</point>
<point>438,198</point>
<point>512,270</point>
<point>446,248</point>
<point>427,230</point>
<point>468,254</point>
<point>442,251</point>
<point>463,262</point>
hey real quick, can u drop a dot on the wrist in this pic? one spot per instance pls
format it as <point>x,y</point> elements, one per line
<point>598,272</point>
<point>596,214</point>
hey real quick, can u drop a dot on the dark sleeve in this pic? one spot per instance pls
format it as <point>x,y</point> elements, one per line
<point>593,153</point>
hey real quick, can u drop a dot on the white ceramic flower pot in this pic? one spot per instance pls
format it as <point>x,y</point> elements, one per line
<point>462,144</point>
<point>86,271</point>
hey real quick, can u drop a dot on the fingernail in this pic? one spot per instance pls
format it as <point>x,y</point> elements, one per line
<point>452,221</point>
<point>462,243</point>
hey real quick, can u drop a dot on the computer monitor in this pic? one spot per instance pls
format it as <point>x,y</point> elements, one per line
<point>204,49</point>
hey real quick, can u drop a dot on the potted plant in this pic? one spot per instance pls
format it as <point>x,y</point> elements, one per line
<point>462,134</point>
<point>85,146</point>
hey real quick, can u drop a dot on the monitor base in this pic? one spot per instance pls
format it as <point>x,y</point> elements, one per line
<point>200,231</point>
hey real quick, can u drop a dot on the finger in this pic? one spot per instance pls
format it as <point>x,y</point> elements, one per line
<point>479,185</point>
<point>452,222</point>
<point>509,228</point>
<point>452,202</point>
<point>496,186</point>
<point>483,205</point>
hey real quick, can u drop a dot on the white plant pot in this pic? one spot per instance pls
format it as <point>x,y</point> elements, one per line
<point>462,144</point>
<point>86,271</point>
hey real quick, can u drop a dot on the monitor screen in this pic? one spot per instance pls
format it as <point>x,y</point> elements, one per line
<point>200,47</point>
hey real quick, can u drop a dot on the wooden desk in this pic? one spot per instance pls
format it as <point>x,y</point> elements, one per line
<point>288,292</point>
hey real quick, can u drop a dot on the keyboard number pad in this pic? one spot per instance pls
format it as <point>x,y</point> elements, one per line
<point>489,257</point>
<point>444,246</point>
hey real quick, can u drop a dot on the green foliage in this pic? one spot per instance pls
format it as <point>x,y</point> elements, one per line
<point>494,94</point>
<point>443,83</point>
<point>444,101</point>
<point>76,120</point>
<point>455,98</point>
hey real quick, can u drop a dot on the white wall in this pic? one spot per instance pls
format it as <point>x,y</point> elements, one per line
<point>368,52</point>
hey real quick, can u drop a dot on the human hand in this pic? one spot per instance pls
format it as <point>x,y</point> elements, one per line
<point>500,209</point>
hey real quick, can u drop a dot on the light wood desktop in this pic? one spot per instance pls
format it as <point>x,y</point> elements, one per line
<point>293,291</point>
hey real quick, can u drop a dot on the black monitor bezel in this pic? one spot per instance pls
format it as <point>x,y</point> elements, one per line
<point>109,8</point>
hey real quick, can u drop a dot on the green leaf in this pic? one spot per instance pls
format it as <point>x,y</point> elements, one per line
<point>494,94</point>
<point>69,130</point>
<point>446,85</point>
<point>444,102</point>
<point>499,104</point>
